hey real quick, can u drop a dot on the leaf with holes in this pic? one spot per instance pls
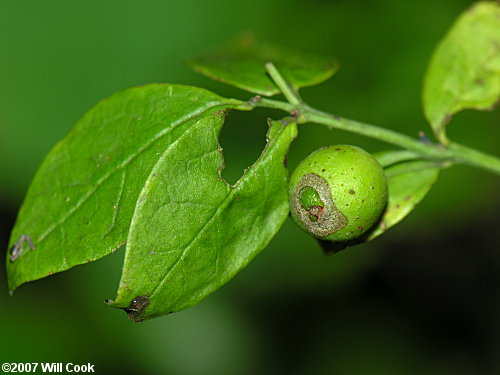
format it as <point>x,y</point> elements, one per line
<point>80,204</point>
<point>241,64</point>
<point>191,231</point>
<point>464,71</point>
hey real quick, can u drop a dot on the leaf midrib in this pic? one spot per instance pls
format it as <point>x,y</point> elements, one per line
<point>223,205</point>
<point>202,111</point>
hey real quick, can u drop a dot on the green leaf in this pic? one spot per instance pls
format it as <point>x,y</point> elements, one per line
<point>464,71</point>
<point>81,201</point>
<point>409,182</point>
<point>191,231</point>
<point>241,64</point>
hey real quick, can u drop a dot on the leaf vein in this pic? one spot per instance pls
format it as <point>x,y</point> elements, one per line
<point>116,206</point>
<point>161,134</point>
<point>223,205</point>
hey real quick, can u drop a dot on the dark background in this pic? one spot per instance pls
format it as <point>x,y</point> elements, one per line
<point>422,299</point>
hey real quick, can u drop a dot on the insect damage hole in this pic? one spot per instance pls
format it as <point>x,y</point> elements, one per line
<point>313,204</point>
<point>243,137</point>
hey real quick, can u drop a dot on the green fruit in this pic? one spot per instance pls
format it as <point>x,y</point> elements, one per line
<point>338,193</point>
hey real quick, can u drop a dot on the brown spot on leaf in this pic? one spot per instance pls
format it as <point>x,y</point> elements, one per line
<point>352,192</point>
<point>137,307</point>
<point>285,161</point>
<point>18,248</point>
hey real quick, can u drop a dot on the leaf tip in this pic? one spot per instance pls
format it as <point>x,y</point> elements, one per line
<point>136,308</point>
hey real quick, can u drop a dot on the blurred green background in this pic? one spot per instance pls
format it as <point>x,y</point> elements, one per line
<point>422,299</point>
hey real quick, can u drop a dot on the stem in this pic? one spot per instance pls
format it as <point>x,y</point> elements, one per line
<point>454,152</point>
<point>285,87</point>
<point>383,134</point>
<point>475,158</point>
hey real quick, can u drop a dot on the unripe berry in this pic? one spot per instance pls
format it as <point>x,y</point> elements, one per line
<point>338,193</point>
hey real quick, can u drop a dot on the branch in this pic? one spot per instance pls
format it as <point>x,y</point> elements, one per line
<point>455,152</point>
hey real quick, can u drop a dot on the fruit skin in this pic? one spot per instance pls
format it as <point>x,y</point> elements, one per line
<point>352,186</point>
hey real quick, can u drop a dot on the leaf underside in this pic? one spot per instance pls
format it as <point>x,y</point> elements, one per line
<point>464,71</point>
<point>409,182</point>
<point>241,64</point>
<point>81,201</point>
<point>192,232</point>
